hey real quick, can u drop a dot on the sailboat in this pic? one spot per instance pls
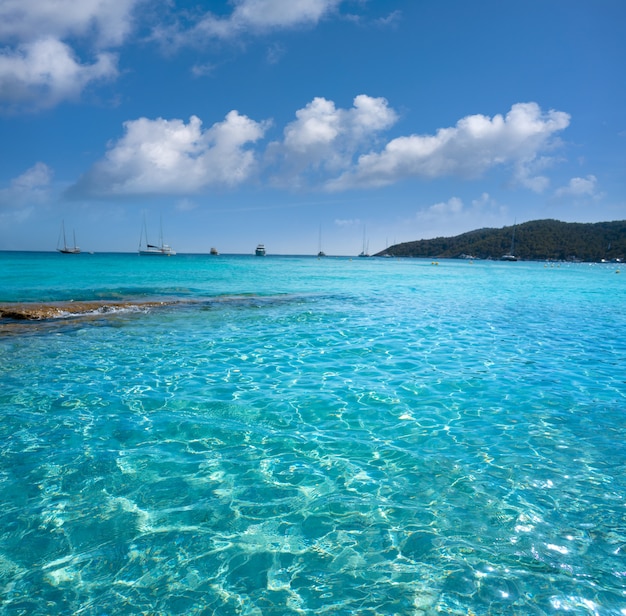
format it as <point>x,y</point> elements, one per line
<point>510,256</point>
<point>321,253</point>
<point>67,250</point>
<point>147,249</point>
<point>364,252</point>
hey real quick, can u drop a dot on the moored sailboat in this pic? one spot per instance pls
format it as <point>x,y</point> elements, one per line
<point>67,250</point>
<point>147,249</point>
<point>321,253</point>
<point>365,251</point>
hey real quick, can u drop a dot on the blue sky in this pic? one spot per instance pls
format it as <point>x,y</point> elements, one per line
<point>280,121</point>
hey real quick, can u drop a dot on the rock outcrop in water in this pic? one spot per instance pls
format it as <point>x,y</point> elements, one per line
<point>55,310</point>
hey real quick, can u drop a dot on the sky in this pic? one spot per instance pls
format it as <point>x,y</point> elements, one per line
<point>306,124</point>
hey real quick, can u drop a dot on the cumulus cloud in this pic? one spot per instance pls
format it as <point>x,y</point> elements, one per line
<point>250,16</point>
<point>448,213</point>
<point>485,200</point>
<point>536,183</point>
<point>45,72</point>
<point>325,138</point>
<point>39,67</point>
<point>322,147</point>
<point>107,22</point>
<point>172,157</point>
<point>268,14</point>
<point>452,206</point>
<point>468,149</point>
<point>479,208</point>
<point>578,187</point>
<point>26,191</point>
<point>454,216</point>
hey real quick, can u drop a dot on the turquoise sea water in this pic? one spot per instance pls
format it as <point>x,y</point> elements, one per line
<point>313,436</point>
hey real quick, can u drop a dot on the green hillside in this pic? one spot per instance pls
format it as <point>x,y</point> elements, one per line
<point>535,240</point>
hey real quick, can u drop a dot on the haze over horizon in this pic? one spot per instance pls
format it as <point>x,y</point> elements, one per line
<point>283,121</point>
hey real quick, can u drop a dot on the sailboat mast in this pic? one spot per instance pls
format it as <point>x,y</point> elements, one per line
<point>513,237</point>
<point>144,232</point>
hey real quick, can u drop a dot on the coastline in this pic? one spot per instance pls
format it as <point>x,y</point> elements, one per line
<point>40,311</point>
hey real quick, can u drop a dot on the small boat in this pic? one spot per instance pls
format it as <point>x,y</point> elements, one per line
<point>214,251</point>
<point>67,250</point>
<point>147,249</point>
<point>260,250</point>
<point>321,253</point>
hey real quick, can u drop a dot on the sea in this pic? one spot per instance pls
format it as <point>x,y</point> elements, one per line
<point>240,435</point>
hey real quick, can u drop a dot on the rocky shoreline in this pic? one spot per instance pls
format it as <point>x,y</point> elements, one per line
<point>55,310</point>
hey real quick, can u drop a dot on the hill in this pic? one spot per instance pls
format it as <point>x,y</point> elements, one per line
<point>536,240</point>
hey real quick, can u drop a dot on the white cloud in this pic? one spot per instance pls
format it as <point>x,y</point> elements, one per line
<point>105,22</point>
<point>528,172</point>
<point>186,205</point>
<point>29,189</point>
<point>202,70</point>
<point>39,67</point>
<point>389,20</point>
<point>453,216</point>
<point>250,16</point>
<point>485,200</point>
<point>452,206</point>
<point>442,213</point>
<point>476,144</point>
<point>275,53</point>
<point>268,14</point>
<point>171,157</point>
<point>536,183</point>
<point>317,125</point>
<point>45,72</point>
<point>579,187</point>
<point>326,138</point>
<point>348,222</point>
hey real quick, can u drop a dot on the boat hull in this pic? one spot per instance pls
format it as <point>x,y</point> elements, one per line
<point>157,252</point>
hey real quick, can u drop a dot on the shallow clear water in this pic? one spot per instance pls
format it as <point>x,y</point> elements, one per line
<point>306,436</point>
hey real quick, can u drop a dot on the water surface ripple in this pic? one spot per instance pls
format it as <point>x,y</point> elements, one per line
<point>303,436</point>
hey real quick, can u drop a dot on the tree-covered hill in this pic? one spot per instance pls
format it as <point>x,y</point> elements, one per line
<point>534,240</point>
